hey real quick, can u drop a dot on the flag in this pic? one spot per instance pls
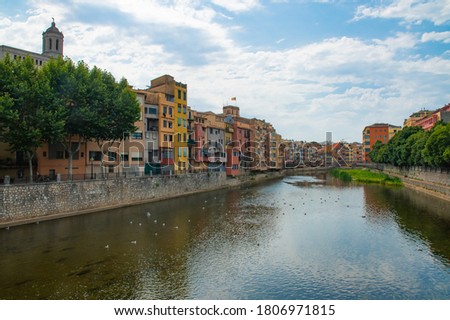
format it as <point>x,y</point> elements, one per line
<point>233,99</point>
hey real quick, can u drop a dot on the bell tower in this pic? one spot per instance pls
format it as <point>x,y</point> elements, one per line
<point>52,41</point>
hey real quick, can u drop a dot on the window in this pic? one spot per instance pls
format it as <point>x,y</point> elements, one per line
<point>164,111</point>
<point>184,109</point>
<point>152,111</point>
<point>57,151</point>
<point>184,123</point>
<point>136,135</point>
<point>179,94</point>
<point>124,157</point>
<point>179,108</point>
<point>184,95</point>
<point>112,156</point>
<point>184,136</point>
<point>50,44</point>
<point>167,154</point>
<point>179,122</point>
<point>57,44</point>
<point>136,156</point>
<point>165,123</point>
<point>170,124</point>
<point>170,111</point>
<point>95,155</point>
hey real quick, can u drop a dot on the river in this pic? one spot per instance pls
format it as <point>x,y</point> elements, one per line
<point>302,237</point>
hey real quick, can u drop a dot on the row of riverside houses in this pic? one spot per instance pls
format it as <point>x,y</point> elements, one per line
<point>384,132</point>
<point>173,138</point>
<point>170,138</point>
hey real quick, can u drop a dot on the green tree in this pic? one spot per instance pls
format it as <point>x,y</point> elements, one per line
<point>397,150</point>
<point>96,106</point>
<point>118,105</point>
<point>416,143</point>
<point>437,148</point>
<point>27,115</point>
<point>375,153</point>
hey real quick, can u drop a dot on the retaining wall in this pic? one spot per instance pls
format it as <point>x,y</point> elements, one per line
<point>429,180</point>
<point>21,202</point>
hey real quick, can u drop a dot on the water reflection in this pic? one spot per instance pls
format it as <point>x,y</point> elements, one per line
<point>300,238</point>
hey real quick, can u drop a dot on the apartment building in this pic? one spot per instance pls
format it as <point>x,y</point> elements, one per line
<point>377,132</point>
<point>429,120</point>
<point>176,119</point>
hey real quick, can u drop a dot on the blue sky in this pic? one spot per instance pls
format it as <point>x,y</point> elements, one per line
<point>308,67</point>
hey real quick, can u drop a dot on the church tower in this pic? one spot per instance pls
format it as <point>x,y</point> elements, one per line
<point>52,41</point>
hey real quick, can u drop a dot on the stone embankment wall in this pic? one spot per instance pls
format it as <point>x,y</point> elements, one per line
<point>430,180</point>
<point>25,202</point>
<point>43,201</point>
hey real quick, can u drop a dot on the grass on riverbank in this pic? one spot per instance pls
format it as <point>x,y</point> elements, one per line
<point>366,176</point>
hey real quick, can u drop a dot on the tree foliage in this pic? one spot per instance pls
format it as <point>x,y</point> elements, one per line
<point>62,102</point>
<point>28,118</point>
<point>413,146</point>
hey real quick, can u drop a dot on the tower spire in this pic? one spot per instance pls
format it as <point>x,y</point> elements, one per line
<point>52,41</point>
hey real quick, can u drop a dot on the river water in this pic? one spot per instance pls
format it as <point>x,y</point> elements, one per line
<point>302,237</point>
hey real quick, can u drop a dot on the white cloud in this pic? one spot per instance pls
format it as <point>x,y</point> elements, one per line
<point>237,6</point>
<point>413,11</point>
<point>436,36</point>
<point>339,84</point>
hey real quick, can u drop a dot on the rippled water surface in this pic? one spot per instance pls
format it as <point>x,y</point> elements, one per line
<point>299,238</point>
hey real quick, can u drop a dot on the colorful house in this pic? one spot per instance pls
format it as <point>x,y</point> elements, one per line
<point>377,132</point>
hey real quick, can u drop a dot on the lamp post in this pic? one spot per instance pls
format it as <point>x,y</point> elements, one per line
<point>92,167</point>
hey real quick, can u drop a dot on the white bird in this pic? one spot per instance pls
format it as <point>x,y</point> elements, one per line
<point>163,224</point>
<point>133,242</point>
<point>107,246</point>
<point>156,221</point>
<point>131,222</point>
<point>148,214</point>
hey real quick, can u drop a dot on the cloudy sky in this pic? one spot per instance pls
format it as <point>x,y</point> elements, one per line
<point>306,66</point>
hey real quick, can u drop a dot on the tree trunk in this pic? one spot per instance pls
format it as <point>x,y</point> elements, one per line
<point>69,167</point>
<point>30,165</point>
<point>68,147</point>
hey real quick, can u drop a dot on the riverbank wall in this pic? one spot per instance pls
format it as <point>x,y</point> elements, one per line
<point>435,182</point>
<point>28,203</point>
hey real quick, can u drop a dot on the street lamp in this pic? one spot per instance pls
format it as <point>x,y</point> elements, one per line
<point>92,167</point>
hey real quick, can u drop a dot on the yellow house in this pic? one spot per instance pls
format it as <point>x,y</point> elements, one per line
<point>176,95</point>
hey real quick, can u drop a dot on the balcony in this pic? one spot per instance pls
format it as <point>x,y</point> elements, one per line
<point>152,128</point>
<point>191,142</point>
